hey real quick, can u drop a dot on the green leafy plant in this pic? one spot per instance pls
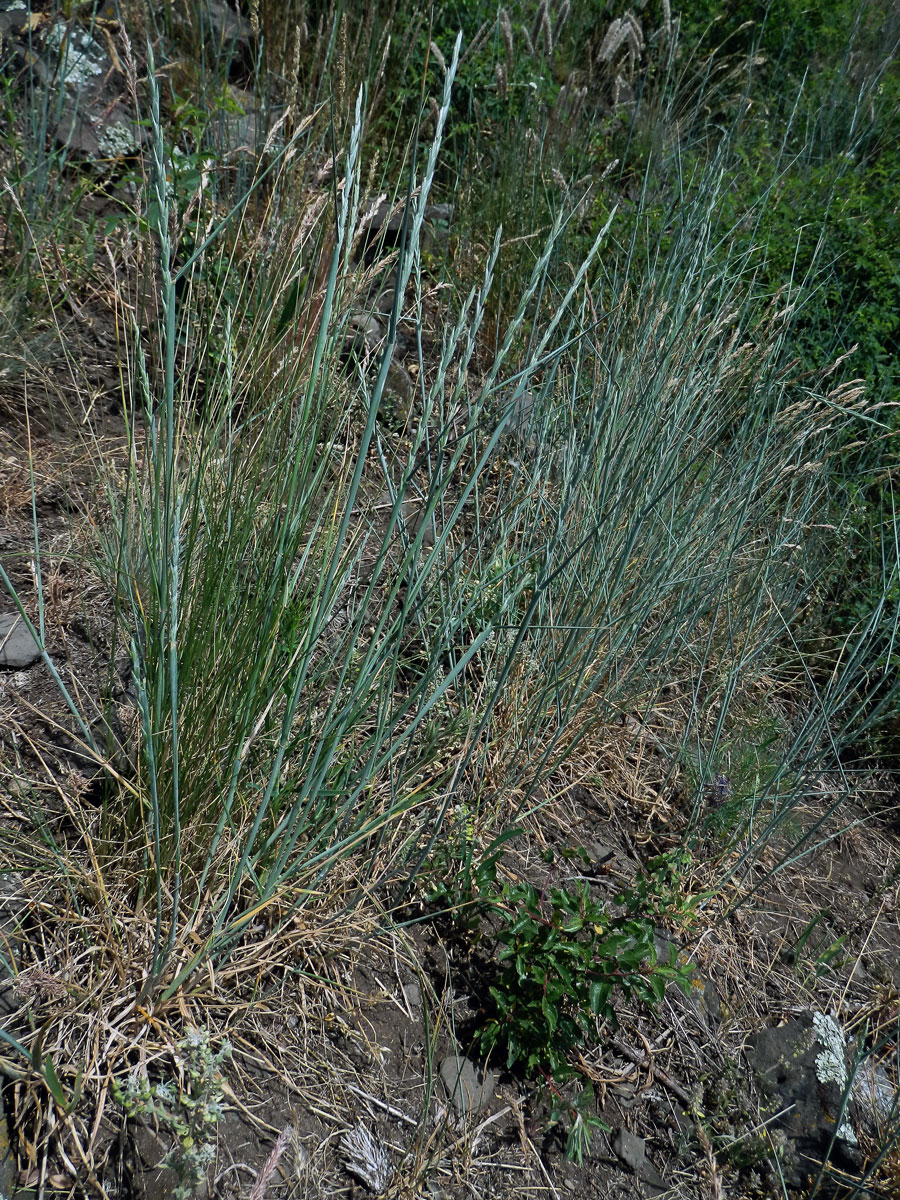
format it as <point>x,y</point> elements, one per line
<point>814,958</point>
<point>188,1109</point>
<point>461,882</point>
<point>660,892</point>
<point>572,1112</point>
<point>562,954</point>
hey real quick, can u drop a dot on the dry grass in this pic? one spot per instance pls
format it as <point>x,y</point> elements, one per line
<point>303,1001</point>
<point>310,979</point>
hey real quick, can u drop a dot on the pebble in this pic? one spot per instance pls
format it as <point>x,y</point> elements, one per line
<point>632,1150</point>
<point>17,647</point>
<point>460,1077</point>
<point>413,994</point>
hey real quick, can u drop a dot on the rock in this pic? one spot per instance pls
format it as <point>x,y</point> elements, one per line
<point>440,213</point>
<point>364,335</point>
<point>653,1182</point>
<point>93,118</point>
<point>632,1150</point>
<point>17,647</point>
<point>109,134</point>
<point>410,523</point>
<point>14,15</point>
<point>75,57</point>
<point>529,436</point>
<point>243,124</point>
<point>802,1068</point>
<point>413,519</point>
<point>610,858</point>
<point>874,1098</point>
<point>384,304</point>
<point>436,230</point>
<point>413,995</point>
<point>626,1096</point>
<point>226,25</point>
<point>603,855</point>
<point>520,418</point>
<point>382,231</point>
<point>387,218</point>
<point>460,1077</point>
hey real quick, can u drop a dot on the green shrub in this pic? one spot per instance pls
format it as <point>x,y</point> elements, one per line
<point>561,963</point>
<point>562,955</point>
<point>796,35</point>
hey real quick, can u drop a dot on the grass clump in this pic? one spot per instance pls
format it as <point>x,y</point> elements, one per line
<point>645,527</point>
<point>355,645</point>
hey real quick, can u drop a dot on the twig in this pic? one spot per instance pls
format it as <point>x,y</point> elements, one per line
<point>653,1070</point>
<point>388,1108</point>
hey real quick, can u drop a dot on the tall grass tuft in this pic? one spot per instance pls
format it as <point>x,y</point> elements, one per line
<point>336,636</point>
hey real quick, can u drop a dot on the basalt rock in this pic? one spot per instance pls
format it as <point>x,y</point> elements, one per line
<point>818,1096</point>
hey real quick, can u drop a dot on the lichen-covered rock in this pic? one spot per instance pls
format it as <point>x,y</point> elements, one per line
<point>802,1069</point>
<point>72,61</point>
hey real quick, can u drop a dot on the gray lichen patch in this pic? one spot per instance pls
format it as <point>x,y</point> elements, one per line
<point>831,1063</point>
<point>118,139</point>
<point>831,1066</point>
<point>81,57</point>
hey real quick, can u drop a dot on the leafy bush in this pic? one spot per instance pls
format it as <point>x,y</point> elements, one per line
<point>562,954</point>
<point>793,33</point>
<point>564,960</point>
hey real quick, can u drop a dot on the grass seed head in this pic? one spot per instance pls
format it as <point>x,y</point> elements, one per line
<point>506,33</point>
<point>366,1158</point>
